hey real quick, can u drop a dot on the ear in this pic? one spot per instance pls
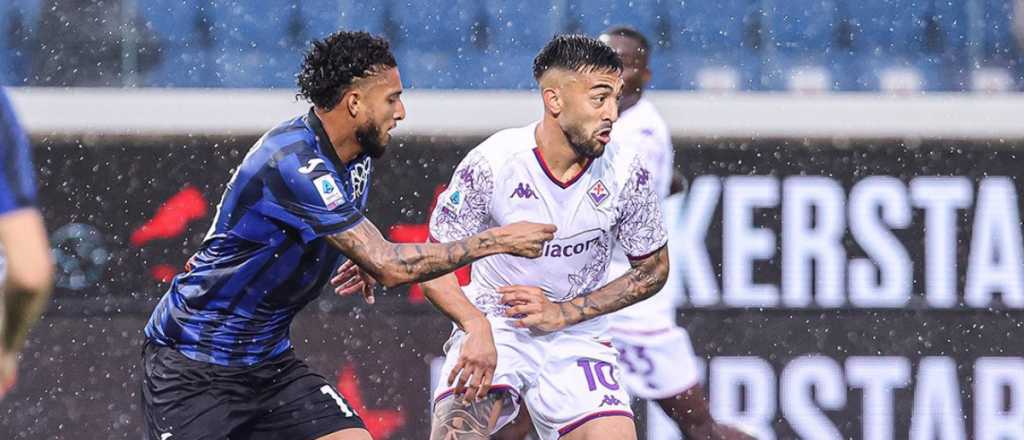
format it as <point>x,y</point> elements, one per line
<point>646,76</point>
<point>351,102</point>
<point>552,100</point>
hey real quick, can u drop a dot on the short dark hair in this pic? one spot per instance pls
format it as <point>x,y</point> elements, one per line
<point>332,64</point>
<point>575,52</point>
<point>628,32</point>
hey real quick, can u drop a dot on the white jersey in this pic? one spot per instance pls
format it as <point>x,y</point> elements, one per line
<point>642,131</point>
<point>505,180</point>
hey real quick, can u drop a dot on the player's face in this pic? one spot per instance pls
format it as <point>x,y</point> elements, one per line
<point>383,111</point>
<point>590,108</point>
<point>635,73</point>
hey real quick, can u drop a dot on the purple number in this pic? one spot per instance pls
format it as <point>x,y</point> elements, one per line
<point>597,369</point>
<point>632,355</point>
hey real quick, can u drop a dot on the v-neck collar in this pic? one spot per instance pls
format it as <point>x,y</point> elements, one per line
<point>547,170</point>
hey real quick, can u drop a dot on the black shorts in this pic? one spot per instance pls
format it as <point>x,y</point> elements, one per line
<point>277,399</point>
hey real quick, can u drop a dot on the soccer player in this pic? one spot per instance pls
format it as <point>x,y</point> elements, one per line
<point>26,264</point>
<point>657,355</point>
<point>218,360</point>
<point>545,317</point>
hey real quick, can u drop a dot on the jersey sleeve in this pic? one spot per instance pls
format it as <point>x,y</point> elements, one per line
<point>641,226</point>
<point>17,176</point>
<point>464,208</point>
<point>308,197</point>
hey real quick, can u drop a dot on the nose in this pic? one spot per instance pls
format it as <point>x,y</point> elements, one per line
<point>612,112</point>
<point>400,111</point>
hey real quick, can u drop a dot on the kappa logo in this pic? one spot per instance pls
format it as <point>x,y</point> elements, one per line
<point>524,191</point>
<point>165,436</point>
<point>610,400</point>
<point>311,165</point>
<point>598,193</point>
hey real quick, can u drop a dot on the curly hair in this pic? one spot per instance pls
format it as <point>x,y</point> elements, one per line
<point>575,52</point>
<point>332,64</point>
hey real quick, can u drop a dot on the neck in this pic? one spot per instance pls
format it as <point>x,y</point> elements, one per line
<point>560,157</point>
<point>341,130</point>
<point>629,101</point>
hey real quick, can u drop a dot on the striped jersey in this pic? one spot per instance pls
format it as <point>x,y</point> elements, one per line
<point>266,255</point>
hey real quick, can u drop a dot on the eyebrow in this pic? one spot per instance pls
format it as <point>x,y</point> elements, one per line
<point>603,86</point>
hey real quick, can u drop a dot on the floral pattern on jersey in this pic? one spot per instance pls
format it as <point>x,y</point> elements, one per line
<point>464,208</point>
<point>489,303</point>
<point>641,227</point>
<point>592,274</point>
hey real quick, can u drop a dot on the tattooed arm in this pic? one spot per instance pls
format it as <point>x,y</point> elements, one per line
<point>644,279</point>
<point>393,264</point>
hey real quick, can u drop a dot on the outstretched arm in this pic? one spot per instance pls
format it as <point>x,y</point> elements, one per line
<point>535,310</point>
<point>394,264</point>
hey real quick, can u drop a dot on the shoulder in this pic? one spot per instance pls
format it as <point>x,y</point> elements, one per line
<point>642,124</point>
<point>501,148</point>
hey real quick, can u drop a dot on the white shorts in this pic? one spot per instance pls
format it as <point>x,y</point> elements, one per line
<point>565,378</point>
<point>657,364</point>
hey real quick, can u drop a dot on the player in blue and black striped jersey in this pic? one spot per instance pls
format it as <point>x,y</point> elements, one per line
<point>218,360</point>
<point>26,266</point>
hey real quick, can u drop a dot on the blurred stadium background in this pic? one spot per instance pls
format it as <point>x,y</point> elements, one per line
<point>854,263</point>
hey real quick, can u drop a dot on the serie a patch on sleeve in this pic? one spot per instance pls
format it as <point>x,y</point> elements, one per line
<point>329,191</point>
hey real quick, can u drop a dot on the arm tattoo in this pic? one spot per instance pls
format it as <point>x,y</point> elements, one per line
<point>399,263</point>
<point>643,280</point>
<point>455,420</point>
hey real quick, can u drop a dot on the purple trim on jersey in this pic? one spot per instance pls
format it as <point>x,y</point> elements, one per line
<point>641,332</point>
<point>645,256</point>
<point>494,389</point>
<point>547,171</point>
<point>570,427</point>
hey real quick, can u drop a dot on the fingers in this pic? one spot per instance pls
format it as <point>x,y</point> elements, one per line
<point>368,292</point>
<point>455,371</point>
<point>345,272</point>
<point>349,289</point>
<point>461,381</point>
<point>485,384</point>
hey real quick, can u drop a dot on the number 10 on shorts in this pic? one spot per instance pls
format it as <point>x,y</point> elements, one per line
<point>602,371</point>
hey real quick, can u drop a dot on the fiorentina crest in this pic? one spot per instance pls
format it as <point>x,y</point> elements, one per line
<point>598,193</point>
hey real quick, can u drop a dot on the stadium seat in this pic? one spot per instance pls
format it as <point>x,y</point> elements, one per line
<point>590,18</point>
<point>520,27</point>
<point>446,25</point>
<point>705,38</point>
<point>19,26</point>
<point>799,54</point>
<point>324,17</point>
<point>185,36</point>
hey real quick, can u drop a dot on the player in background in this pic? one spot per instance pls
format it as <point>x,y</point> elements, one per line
<point>218,362</point>
<point>27,264</point>
<point>544,318</point>
<point>656,354</point>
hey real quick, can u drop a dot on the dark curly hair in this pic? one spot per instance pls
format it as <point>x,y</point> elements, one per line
<point>575,52</point>
<point>332,64</point>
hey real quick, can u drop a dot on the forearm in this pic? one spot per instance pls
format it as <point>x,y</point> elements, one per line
<point>642,281</point>
<point>447,296</point>
<point>393,264</point>
<point>22,308</point>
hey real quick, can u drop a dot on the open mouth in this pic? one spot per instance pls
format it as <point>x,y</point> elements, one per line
<point>604,136</point>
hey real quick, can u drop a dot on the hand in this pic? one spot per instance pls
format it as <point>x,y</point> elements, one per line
<point>8,371</point>
<point>533,308</point>
<point>477,360</point>
<point>525,239</point>
<point>350,279</point>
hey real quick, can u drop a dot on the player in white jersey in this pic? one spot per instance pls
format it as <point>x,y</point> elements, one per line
<point>544,318</point>
<point>656,354</point>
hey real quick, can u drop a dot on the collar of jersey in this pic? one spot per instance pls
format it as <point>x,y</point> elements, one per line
<point>324,142</point>
<point>547,171</point>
